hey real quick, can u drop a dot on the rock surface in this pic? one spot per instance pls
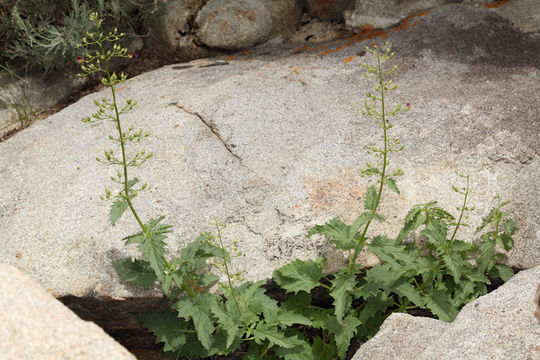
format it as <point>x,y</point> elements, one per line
<point>497,326</point>
<point>34,325</point>
<point>234,24</point>
<point>385,13</point>
<point>272,143</point>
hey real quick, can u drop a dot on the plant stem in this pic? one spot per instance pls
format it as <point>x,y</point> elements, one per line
<point>224,257</point>
<point>462,210</point>
<point>352,260</point>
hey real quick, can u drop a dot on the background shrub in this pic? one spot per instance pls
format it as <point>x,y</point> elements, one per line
<point>44,34</point>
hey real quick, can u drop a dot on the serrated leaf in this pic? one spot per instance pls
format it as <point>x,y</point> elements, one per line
<point>300,275</point>
<point>289,318</point>
<point>132,182</point>
<point>229,323</point>
<point>440,305</point>
<point>300,351</point>
<point>403,288</point>
<point>117,209</point>
<point>485,259</point>
<point>486,220</point>
<point>414,219</point>
<point>197,309</point>
<point>382,276</point>
<point>167,328</point>
<point>391,251</point>
<point>272,334</point>
<point>505,241</point>
<point>343,332</point>
<point>435,233</point>
<point>301,304</point>
<point>322,350</point>
<point>338,232</point>
<point>502,271</point>
<point>370,202</point>
<point>342,284</point>
<point>454,262</point>
<point>391,183</point>
<point>510,227</point>
<point>134,239</point>
<point>137,272</point>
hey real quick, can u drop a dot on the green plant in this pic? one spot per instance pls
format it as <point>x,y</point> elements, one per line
<point>431,271</point>
<point>203,324</point>
<point>45,34</point>
<point>16,96</point>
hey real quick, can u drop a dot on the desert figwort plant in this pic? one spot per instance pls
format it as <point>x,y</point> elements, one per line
<point>16,97</point>
<point>201,324</point>
<point>433,270</point>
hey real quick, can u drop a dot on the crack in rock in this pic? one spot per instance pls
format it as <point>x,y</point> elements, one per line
<point>212,129</point>
<point>216,133</point>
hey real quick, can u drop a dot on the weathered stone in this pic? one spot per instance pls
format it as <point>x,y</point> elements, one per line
<point>37,326</point>
<point>234,24</point>
<point>172,35</point>
<point>497,326</point>
<point>385,13</point>
<point>43,94</point>
<point>274,145</point>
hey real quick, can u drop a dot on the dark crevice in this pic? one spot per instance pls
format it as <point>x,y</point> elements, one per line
<point>212,129</point>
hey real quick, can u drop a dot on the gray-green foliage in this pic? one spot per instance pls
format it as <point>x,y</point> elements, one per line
<point>45,34</point>
<point>426,266</point>
<point>14,93</point>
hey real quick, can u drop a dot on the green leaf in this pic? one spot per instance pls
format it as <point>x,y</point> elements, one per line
<point>273,335</point>
<point>505,241</point>
<point>197,309</point>
<point>301,304</point>
<point>300,275</point>
<point>485,259</point>
<point>343,332</point>
<point>404,288</point>
<point>435,233</point>
<point>391,183</point>
<point>227,321</point>
<point>414,219</point>
<point>438,302</point>
<point>502,271</point>
<point>338,232</point>
<point>137,272</point>
<point>454,261</point>
<point>153,247</point>
<point>392,251</point>
<point>371,198</point>
<point>301,349</point>
<point>510,228</point>
<point>322,350</point>
<point>134,239</point>
<point>117,209</point>
<point>342,284</point>
<point>167,328</point>
<point>487,220</point>
<point>290,318</point>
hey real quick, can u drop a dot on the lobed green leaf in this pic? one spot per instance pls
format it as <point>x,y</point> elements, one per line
<point>137,272</point>
<point>300,275</point>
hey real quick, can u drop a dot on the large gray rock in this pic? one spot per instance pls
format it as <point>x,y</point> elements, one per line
<point>274,145</point>
<point>34,325</point>
<point>234,24</point>
<point>385,13</point>
<point>497,326</point>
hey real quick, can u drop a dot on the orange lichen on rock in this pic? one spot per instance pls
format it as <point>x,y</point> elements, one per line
<point>497,4</point>
<point>230,57</point>
<point>403,25</point>
<point>348,59</point>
